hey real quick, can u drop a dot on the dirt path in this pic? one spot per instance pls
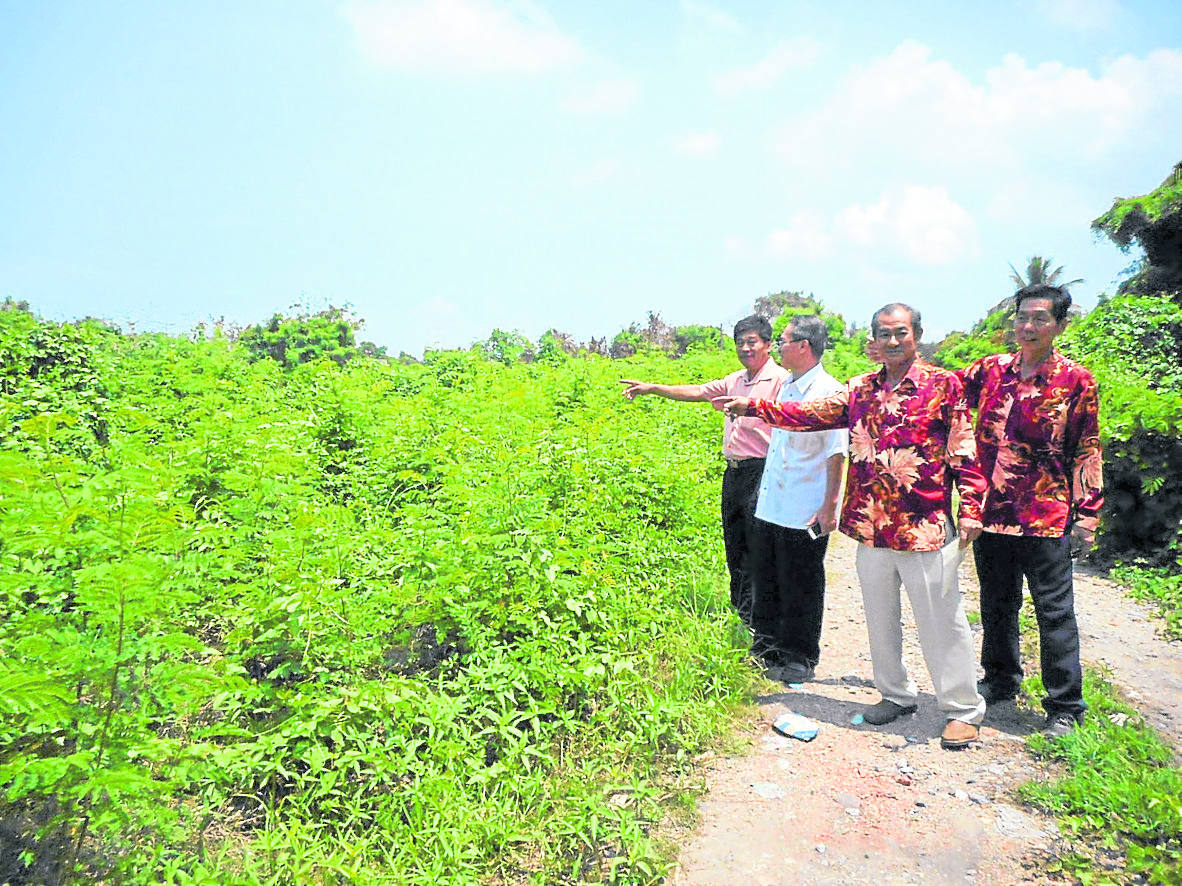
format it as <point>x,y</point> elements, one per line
<point>864,804</point>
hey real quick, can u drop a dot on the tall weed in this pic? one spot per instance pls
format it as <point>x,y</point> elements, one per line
<point>370,623</point>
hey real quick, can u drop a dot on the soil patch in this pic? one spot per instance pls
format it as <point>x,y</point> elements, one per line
<point>885,804</point>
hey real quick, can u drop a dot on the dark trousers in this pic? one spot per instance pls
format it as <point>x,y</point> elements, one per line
<point>740,492</point>
<point>789,595</point>
<point>1002,562</point>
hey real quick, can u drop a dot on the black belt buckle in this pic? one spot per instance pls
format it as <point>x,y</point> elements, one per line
<point>741,462</point>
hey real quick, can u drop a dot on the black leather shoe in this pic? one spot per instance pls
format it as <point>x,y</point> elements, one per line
<point>886,711</point>
<point>992,695</point>
<point>1058,725</point>
<point>795,672</point>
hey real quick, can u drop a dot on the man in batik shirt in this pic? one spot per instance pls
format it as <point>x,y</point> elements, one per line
<point>911,442</point>
<point>1039,446</point>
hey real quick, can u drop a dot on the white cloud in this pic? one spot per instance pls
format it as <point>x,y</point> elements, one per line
<point>800,53</point>
<point>459,36</point>
<point>897,113</point>
<point>609,98</point>
<point>697,144</point>
<point>912,225</point>
<point>921,223</point>
<point>1071,104</point>
<point>909,116</point>
<point>1081,15</point>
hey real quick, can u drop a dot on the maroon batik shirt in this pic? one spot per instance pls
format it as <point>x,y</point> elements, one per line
<point>1038,441</point>
<point>908,447</point>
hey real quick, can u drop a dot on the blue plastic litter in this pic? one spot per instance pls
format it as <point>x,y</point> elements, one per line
<point>795,726</point>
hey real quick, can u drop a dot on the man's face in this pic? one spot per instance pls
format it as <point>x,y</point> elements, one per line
<point>1035,325</point>
<point>793,350</point>
<point>752,350</point>
<point>896,339</point>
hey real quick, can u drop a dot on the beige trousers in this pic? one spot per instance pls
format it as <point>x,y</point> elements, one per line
<point>944,634</point>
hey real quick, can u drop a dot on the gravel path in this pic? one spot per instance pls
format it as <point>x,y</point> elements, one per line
<point>864,804</point>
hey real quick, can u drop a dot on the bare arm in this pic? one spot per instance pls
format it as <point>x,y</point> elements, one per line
<point>685,393</point>
<point>827,514</point>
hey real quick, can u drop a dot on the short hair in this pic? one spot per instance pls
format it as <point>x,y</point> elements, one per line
<point>897,307</point>
<point>1059,297</point>
<point>755,323</point>
<point>812,329</point>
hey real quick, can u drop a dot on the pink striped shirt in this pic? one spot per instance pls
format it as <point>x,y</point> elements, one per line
<point>747,437</point>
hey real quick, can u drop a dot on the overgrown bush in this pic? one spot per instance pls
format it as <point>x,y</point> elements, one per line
<point>1133,344</point>
<point>50,368</point>
<point>304,621</point>
<point>308,336</point>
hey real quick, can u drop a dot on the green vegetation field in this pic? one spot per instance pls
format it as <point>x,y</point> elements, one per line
<point>452,622</point>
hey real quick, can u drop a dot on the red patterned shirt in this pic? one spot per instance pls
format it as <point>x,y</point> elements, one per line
<point>908,447</point>
<point>1039,444</point>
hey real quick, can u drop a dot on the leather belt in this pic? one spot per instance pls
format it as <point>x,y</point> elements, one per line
<point>743,462</point>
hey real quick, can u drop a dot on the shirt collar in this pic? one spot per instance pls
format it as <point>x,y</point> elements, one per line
<point>1009,363</point>
<point>805,379</point>
<point>915,373</point>
<point>765,371</point>
<point>1012,363</point>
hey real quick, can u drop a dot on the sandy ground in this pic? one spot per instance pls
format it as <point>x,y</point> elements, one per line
<point>865,804</point>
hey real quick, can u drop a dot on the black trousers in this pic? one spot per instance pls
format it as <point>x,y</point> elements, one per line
<point>740,492</point>
<point>789,595</point>
<point>1002,562</point>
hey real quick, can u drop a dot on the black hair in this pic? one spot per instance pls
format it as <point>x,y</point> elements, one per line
<point>755,323</point>
<point>812,329</point>
<point>897,307</point>
<point>1059,296</point>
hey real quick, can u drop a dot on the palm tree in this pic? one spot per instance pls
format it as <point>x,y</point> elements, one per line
<point>1039,271</point>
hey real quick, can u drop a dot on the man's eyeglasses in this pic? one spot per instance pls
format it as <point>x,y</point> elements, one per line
<point>788,341</point>
<point>1042,318</point>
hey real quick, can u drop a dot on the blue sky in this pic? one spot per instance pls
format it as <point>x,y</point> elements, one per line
<point>447,167</point>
